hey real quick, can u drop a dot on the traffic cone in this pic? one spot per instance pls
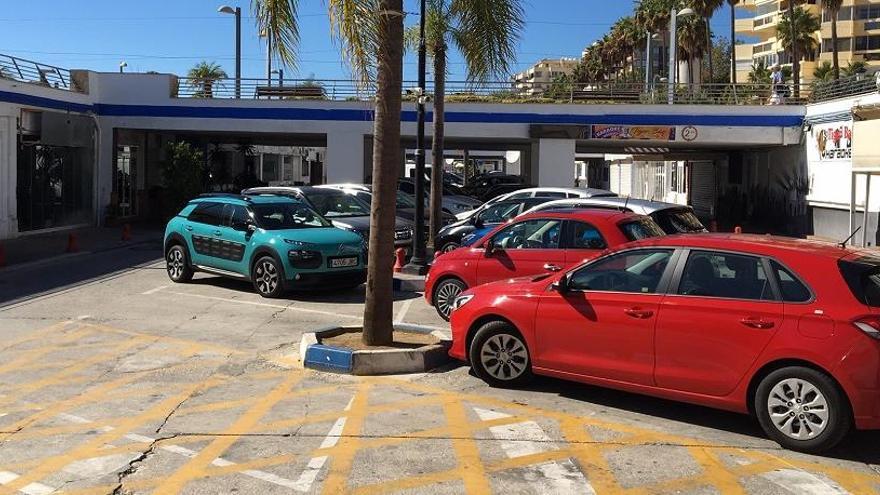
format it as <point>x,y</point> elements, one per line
<point>399,259</point>
<point>126,232</point>
<point>72,244</point>
<point>2,255</point>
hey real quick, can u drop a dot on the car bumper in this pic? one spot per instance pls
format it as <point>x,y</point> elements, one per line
<point>326,279</point>
<point>459,322</point>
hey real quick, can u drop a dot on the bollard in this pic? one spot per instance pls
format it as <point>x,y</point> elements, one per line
<point>737,230</point>
<point>713,226</point>
<point>399,259</point>
<point>72,244</point>
<point>126,232</point>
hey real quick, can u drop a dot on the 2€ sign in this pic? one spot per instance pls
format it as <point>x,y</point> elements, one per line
<point>689,133</point>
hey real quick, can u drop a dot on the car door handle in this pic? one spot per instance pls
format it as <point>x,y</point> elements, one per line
<point>189,228</point>
<point>757,323</point>
<point>551,267</point>
<point>639,313</point>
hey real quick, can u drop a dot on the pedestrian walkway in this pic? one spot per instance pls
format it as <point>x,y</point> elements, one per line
<point>41,247</point>
<point>90,408</point>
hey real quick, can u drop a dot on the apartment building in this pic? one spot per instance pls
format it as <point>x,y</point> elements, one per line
<point>858,32</point>
<point>537,78</point>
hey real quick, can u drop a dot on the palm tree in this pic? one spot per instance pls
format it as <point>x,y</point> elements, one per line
<point>202,78</point>
<point>797,32</point>
<point>276,19</point>
<point>854,67</point>
<point>485,32</point>
<point>833,7</point>
<point>759,74</point>
<point>732,4</point>
<point>705,9</point>
<point>824,72</point>
<point>691,41</point>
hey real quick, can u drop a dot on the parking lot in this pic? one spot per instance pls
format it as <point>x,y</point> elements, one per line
<point>119,381</point>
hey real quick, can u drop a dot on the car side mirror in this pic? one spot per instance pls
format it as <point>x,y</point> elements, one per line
<point>561,286</point>
<point>251,227</point>
<point>492,247</point>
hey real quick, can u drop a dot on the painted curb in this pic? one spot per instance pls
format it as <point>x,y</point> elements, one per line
<point>322,357</point>
<point>401,284</point>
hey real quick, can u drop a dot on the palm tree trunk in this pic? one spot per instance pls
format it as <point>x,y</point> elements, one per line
<point>834,58</point>
<point>378,310</point>
<point>795,59</point>
<point>709,52</point>
<point>437,159</point>
<point>732,43</point>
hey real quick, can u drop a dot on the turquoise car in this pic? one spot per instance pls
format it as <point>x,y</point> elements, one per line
<point>277,243</point>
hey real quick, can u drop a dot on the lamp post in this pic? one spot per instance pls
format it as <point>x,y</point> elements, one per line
<point>673,42</point>
<point>237,13</point>
<point>122,66</point>
<point>418,262</point>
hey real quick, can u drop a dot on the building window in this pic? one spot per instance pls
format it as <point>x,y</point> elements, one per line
<point>844,14</point>
<point>306,166</point>
<point>843,45</point>
<point>867,12</point>
<point>270,168</point>
<point>54,186</point>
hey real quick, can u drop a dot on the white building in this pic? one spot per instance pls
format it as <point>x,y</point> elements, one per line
<point>537,78</point>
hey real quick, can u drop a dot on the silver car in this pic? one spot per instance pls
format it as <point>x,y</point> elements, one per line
<point>543,192</point>
<point>672,218</point>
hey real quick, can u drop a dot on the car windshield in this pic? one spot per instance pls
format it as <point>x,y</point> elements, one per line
<point>641,229</point>
<point>282,216</point>
<point>404,200</point>
<point>674,221</point>
<point>337,204</point>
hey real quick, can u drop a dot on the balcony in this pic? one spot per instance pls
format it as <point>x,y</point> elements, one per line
<point>28,71</point>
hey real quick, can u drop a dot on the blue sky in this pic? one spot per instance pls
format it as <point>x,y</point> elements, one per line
<point>173,35</point>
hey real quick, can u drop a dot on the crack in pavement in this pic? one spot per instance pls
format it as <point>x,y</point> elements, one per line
<point>135,463</point>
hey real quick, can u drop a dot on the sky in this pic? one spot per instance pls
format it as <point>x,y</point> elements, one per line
<point>173,35</point>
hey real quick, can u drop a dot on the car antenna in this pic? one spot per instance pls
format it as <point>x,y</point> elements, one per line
<point>625,203</point>
<point>842,243</point>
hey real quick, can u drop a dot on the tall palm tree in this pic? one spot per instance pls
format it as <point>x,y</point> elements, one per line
<point>202,78</point>
<point>833,8</point>
<point>732,4</point>
<point>485,32</point>
<point>705,9</point>
<point>797,33</point>
<point>691,41</point>
<point>276,19</point>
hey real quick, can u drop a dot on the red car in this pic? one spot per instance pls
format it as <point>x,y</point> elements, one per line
<point>546,241</point>
<point>785,329</point>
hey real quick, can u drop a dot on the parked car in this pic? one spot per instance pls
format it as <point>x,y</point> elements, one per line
<point>478,185</point>
<point>672,218</point>
<point>546,192</point>
<point>545,242</point>
<point>464,232</point>
<point>787,330</point>
<point>406,204</point>
<point>453,201</point>
<point>344,211</point>
<point>275,242</point>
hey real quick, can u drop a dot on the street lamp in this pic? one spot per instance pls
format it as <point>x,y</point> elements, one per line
<point>673,56</point>
<point>236,11</point>
<point>418,263</point>
<point>268,57</point>
<point>122,66</point>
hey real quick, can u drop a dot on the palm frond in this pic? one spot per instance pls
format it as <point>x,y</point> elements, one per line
<point>277,20</point>
<point>354,25</point>
<point>487,32</point>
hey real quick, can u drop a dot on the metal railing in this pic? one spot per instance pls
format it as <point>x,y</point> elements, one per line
<point>859,84</point>
<point>29,71</point>
<point>493,92</point>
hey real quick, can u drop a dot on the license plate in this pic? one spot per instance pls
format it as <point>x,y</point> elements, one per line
<point>343,262</point>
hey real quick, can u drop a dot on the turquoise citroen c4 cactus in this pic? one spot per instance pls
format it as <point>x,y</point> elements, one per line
<point>276,242</point>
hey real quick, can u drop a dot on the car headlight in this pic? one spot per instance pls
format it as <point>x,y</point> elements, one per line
<point>299,244</point>
<point>461,301</point>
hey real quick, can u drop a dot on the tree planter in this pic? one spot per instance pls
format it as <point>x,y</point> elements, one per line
<point>320,353</point>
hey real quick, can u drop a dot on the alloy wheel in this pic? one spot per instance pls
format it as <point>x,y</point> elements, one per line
<point>504,357</point>
<point>449,247</point>
<point>798,409</point>
<point>175,263</point>
<point>446,294</point>
<point>266,277</point>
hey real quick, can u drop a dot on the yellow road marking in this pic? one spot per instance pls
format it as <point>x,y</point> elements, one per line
<point>341,462</point>
<point>470,466</point>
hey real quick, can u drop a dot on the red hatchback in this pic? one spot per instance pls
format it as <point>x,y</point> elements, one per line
<point>543,242</point>
<point>785,329</point>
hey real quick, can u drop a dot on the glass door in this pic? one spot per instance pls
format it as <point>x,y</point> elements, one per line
<point>124,180</point>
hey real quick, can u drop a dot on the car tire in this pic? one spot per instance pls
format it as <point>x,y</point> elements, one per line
<point>802,409</point>
<point>177,264</point>
<point>449,246</point>
<point>499,355</point>
<point>267,276</point>
<point>444,294</point>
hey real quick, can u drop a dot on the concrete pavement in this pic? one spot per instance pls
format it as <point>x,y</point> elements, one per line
<point>131,384</point>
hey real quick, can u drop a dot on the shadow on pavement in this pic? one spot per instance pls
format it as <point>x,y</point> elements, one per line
<point>356,295</point>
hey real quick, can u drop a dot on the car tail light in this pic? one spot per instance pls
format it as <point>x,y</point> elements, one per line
<point>870,325</point>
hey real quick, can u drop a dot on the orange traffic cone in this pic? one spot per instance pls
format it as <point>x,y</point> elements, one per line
<point>2,255</point>
<point>72,244</point>
<point>126,232</point>
<point>399,259</point>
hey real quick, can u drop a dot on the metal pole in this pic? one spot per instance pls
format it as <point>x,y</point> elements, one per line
<point>280,77</point>
<point>268,59</point>
<point>418,262</point>
<point>238,52</point>
<point>673,29</point>
<point>865,211</point>
<point>852,204</point>
<point>648,62</point>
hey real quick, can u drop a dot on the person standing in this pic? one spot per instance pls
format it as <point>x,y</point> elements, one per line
<point>778,85</point>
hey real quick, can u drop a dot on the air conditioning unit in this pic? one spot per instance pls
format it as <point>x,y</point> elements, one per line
<point>30,125</point>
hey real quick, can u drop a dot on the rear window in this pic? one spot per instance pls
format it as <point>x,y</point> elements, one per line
<point>678,221</point>
<point>862,275</point>
<point>641,229</point>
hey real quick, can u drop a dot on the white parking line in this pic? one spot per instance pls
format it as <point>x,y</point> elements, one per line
<point>266,305</point>
<point>526,438</point>
<point>803,483</point>
<point>403,310</point>
<point>7,477</point>
<point>153,291</point>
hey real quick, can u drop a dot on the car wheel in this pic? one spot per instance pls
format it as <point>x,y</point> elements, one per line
<point>268,277</point>
<point>177,264</point>
<point>499,355</point>
<point>449,246</point>
<point>444,295</point>
<point>802,409</point>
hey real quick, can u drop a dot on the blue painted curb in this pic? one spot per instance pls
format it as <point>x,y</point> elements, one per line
<point>327,358</point>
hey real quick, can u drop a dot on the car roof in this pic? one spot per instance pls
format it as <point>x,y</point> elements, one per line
<point>589,191</point>
<point>243,200</point>
<point>642,206</point>
<point>351,185</point>
<point>585,214</point>
<point>762,245</point>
